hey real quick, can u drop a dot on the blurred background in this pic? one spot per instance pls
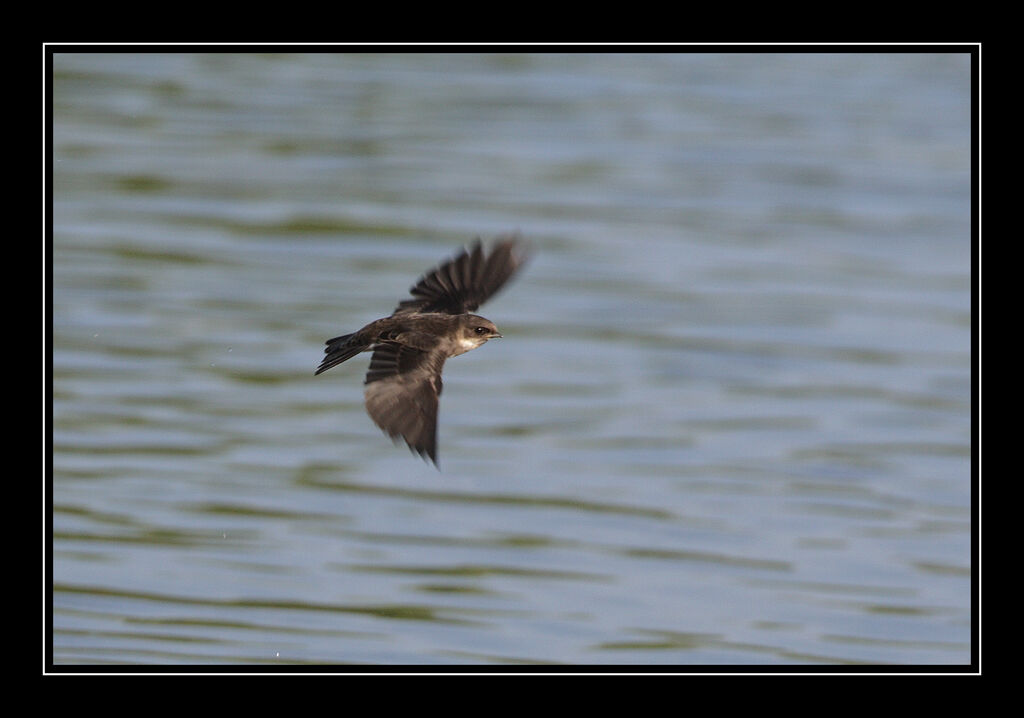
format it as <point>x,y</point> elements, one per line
<point>729,422</point>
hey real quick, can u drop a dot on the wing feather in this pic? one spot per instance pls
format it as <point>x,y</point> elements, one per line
<point>467,280</point>
<point>402,389</point>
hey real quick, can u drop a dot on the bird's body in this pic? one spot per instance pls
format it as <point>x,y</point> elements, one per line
<point>410,347</point>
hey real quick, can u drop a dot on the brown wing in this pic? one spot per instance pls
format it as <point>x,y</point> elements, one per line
<point>402,389</point>
<point>467,280</point>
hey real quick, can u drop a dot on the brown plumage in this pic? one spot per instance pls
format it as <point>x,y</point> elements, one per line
<point>410,347</point>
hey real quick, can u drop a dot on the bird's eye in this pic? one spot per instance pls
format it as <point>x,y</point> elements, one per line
<point>480,330</point>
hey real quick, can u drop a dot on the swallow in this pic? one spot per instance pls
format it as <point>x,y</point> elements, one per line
<point>411,346</point>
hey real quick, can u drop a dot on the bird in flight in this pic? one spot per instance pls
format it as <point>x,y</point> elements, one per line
<point>410,346</point>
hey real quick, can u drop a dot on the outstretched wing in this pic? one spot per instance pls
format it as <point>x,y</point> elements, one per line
<point>467,280</point>
<point>402,389</point>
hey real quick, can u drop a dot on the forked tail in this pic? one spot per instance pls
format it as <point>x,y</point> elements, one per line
<point>338,350</point>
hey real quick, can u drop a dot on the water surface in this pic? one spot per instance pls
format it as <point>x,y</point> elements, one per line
<point>729,422</point>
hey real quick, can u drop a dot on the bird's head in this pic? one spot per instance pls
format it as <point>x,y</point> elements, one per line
<point>475,330</point>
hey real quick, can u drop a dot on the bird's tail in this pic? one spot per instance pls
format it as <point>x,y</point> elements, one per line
<point>338,350</point>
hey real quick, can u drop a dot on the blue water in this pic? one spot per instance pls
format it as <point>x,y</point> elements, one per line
<point>729,422</point>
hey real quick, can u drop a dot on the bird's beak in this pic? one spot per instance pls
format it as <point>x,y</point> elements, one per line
<point>495,336</point>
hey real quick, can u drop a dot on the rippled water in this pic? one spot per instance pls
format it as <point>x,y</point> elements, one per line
<point>729,422</point>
